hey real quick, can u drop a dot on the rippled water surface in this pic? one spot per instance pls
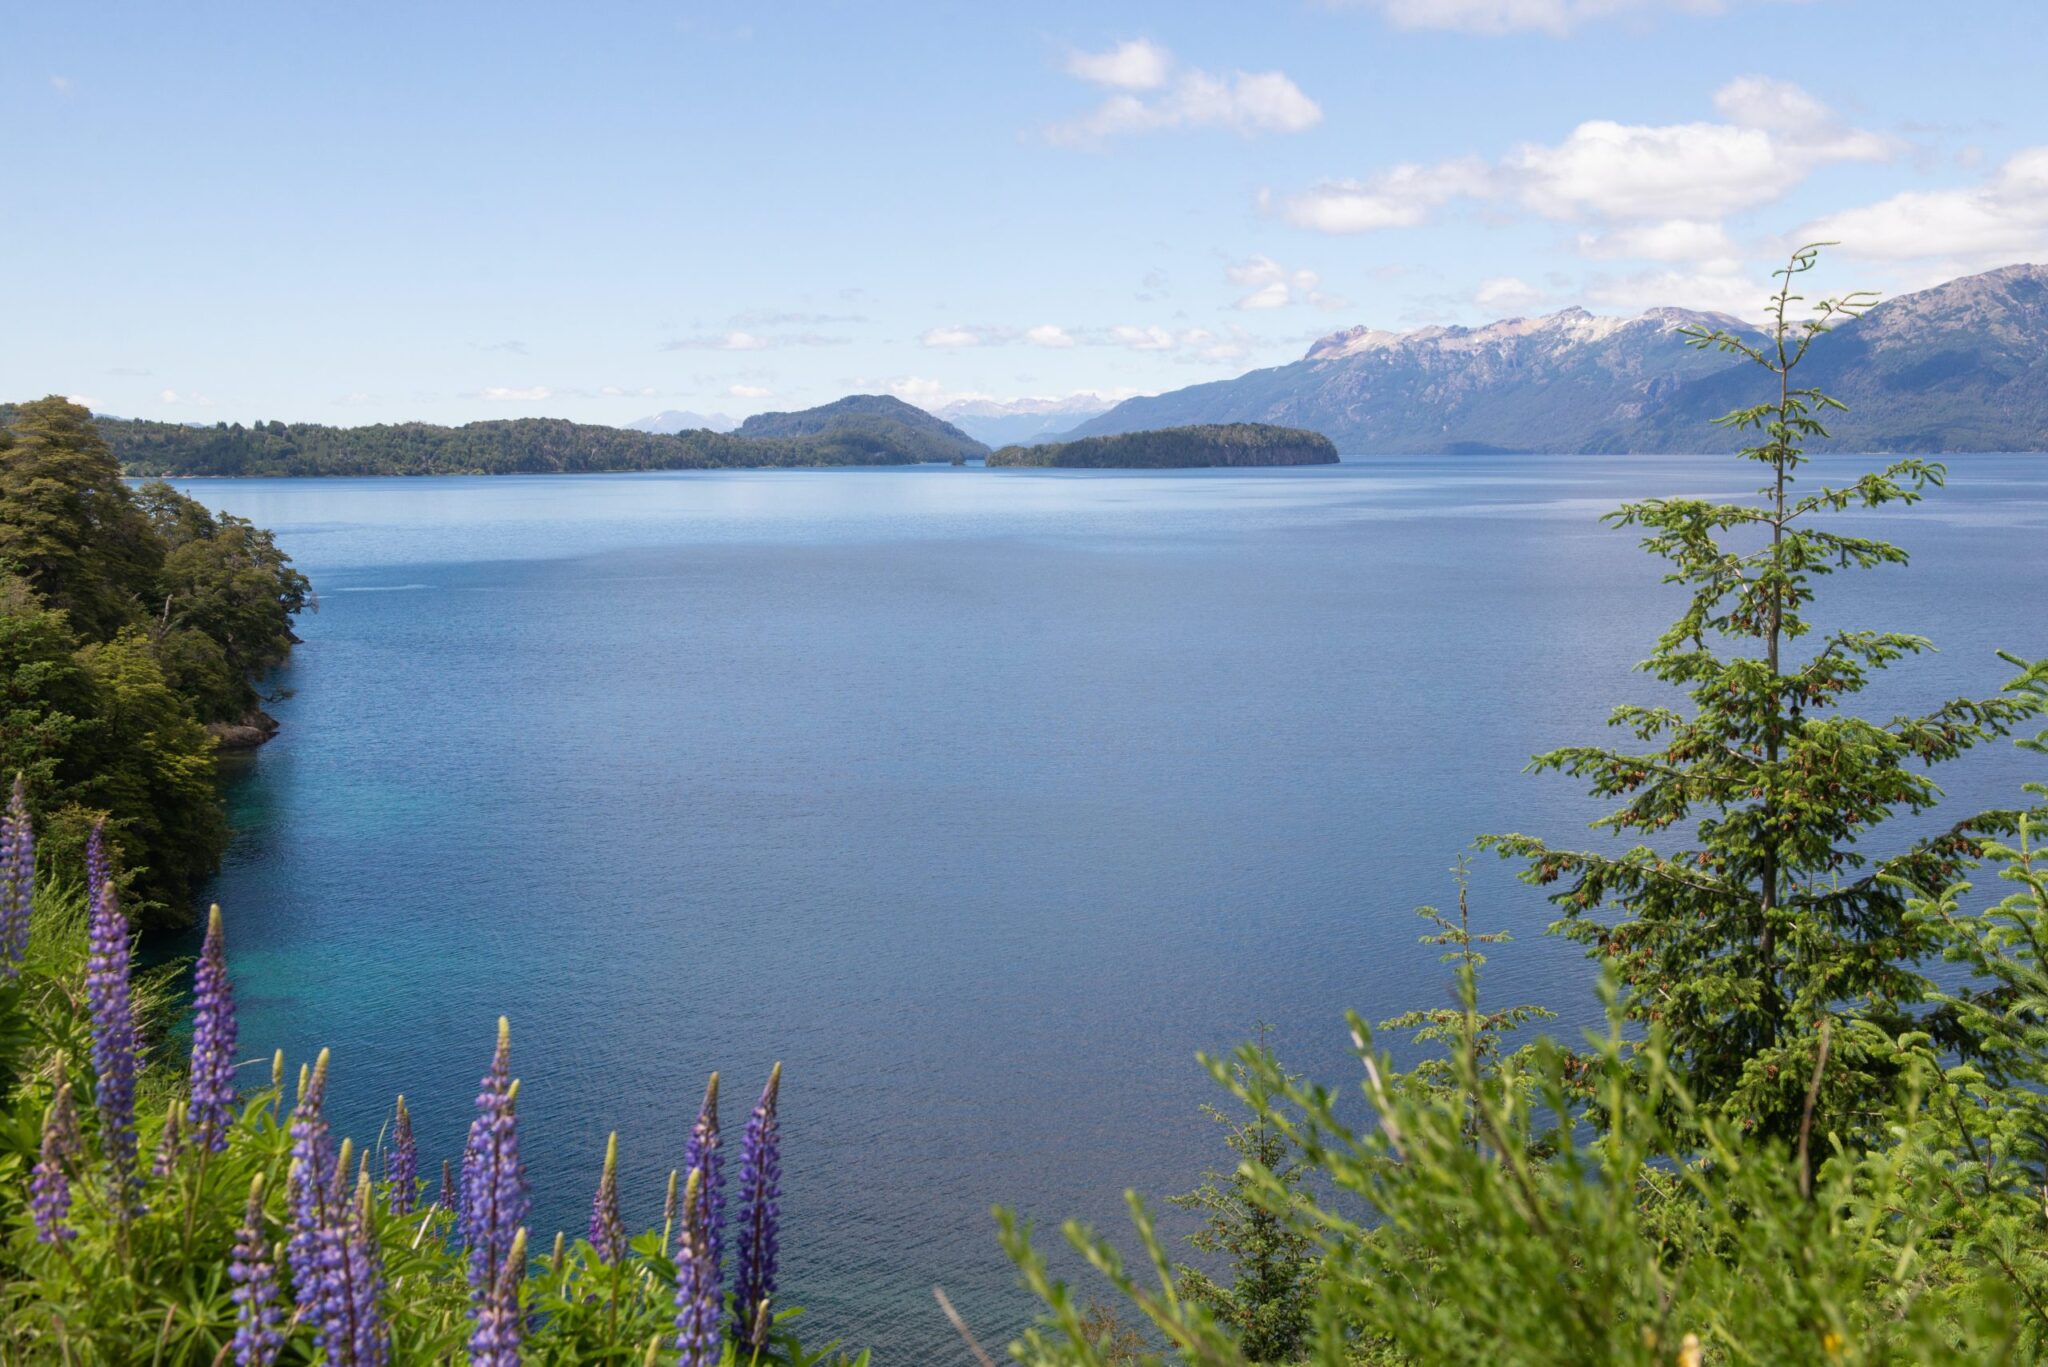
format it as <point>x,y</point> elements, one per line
<point>983,799</point>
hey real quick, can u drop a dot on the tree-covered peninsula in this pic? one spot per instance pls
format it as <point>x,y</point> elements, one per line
<point>863,429</point>
<point>134,627</point>
<point>1179,448</point>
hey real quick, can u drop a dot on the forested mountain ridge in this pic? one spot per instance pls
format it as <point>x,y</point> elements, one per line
<point>1959,367</point>
<point>878,417</point>
<point>882,432</point>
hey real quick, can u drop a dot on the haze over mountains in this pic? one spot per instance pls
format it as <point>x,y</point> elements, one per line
<point>1002,422</point>
<point>1959,367</point>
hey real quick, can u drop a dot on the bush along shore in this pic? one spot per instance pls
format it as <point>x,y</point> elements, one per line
<point>158,1214</point>
<point>1815,1126</point>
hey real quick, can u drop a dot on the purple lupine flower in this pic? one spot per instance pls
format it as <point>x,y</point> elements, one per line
<point>49,1190</point>
<point>168,1144</point>
<point>309,1189</point>
<point>607,1230</point>
<point>213,1041</point>
<point>359,1276</point>
<point>17,881</point>
<point>500,1324</point>
<point>402,1164</point>
<point>113,1023</point>
<point>697,1299</point>
<point>760,1208</point>
<point>447,1201</point>
<point>257,1337</point>
<point>494,1195</point>
<point>705,1153</point>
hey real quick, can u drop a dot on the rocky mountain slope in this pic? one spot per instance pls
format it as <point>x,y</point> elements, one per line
<point>1960,367</point>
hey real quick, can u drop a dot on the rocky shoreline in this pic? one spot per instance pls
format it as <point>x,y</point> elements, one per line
<point>254,728</point>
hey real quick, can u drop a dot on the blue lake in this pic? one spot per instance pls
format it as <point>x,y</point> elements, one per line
<point>982,799</point>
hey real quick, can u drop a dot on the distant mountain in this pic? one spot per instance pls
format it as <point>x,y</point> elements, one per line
<point>1960,367</point>
<point>1178,448</point>
<point>672,420</point>
<point>1002,422</point>
<point>889,423</point>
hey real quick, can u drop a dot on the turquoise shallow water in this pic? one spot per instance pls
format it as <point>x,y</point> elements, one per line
<point>981,798</point>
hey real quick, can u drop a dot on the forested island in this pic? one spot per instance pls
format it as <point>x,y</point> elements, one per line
<point>1179,448</point>
<point>862,429</point>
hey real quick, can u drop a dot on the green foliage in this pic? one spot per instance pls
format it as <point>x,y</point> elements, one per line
<point>1273,1264</point>
<point>151,1284</point>
<point>1236,443</point>
<point>127,619</point>
<point>1779,917</point>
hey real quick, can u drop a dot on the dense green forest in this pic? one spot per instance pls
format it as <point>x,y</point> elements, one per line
<point>886,432</point>
<point>1171,448</point>
<point>130,620</point>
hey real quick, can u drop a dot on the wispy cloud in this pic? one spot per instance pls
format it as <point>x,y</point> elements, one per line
<point>1153,93</point>
<point>1497,17</point>
<point>739,339</point>
<point>2000,219</point>
<point>748,391</point>
<point>1273,286</point>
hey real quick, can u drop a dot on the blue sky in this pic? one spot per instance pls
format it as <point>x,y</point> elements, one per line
<point>375,212</point>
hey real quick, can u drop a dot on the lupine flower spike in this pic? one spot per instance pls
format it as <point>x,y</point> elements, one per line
<point>257,1313</point>
<point>309,1191</point>
<point>17,881</point>
<point>697,1307</point>
<point>447,1201</point>
<point>402,1164</point>
<point>607,1230</point>
<point>170,1143</point>
<point>705,1153</point>
<point>494,1196</point>
<point>49,1191</point>
<point>499,1321</point>
<point>113,1023</point>
<point>362,1284</point>
<point>668,1211</point>
<point>213,1041</point>
<point>760,1208</point>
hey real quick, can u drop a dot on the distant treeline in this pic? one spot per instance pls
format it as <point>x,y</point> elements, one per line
<point>1236,443</point>
<point>512,446</point>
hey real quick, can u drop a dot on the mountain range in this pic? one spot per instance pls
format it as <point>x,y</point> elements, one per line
<point>1004,422</point>
<point>670,421</point>
<point>1959,367</point>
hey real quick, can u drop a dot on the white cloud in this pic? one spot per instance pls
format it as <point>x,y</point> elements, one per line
<point>748,391</point>
<point>951,337</point>
<point>1721,291</point>
<point>500,394</point>
<point>2000,220</point>
<point>1398,198</point>
<point>173,396</point>
<point>1506,292</point>
<point>61,84</point>
<point>1152,338</point>
<point>613,391</point>
<point>82,401</point>
<point>1246,102</point>
<point>1675,239</point>
<point>1136,65</point>
<point>1273,286</point>
<point>1048,335</point>
<point>1778,134</point>
<point>1493,18</point>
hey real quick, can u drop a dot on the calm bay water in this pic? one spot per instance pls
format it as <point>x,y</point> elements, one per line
<point>982,799</point>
